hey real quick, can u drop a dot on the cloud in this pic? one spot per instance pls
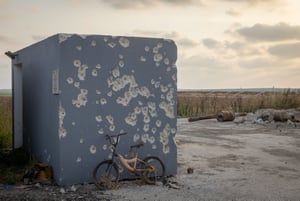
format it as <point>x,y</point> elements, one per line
<point>211,43</point>
<point>153,33</point>
<point>4,39</point>
<point>257,63</point>
<point>204,62</point>
<point>179,40</point>
<point>186,42</point>
<point>263,32</point>
<point>37,38</point>
<point>231,48</point>
<point>286,51</point>
<point>3,2</point>
<point>233,12</point>
<point>243,49</point>
<point>138,4</point>
<point>252,2</point>
<point>7,41</point>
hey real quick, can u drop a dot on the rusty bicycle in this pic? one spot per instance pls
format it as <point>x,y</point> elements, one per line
<point>107,173</point>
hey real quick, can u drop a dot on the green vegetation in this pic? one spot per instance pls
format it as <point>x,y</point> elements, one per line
<point>205,103</point>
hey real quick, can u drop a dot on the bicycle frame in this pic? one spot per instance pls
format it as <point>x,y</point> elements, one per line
<point>129,164</point>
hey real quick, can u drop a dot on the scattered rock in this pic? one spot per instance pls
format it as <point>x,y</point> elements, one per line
<point>190,170</point>
<point>173,184</point>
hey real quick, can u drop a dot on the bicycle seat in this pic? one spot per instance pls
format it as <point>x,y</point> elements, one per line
<point>137,145</point>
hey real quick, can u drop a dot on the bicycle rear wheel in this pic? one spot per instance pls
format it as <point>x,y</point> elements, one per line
<point>106,175</point>
<point>154,170</point>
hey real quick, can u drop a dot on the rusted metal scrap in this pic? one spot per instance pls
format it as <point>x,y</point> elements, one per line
<point>282,115</point>
<point>220,116</point>
<point>191,119</point>
<point>225,116</point>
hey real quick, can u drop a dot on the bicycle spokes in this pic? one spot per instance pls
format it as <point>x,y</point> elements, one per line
<point>154,169</point>
<point>106,175</point>
<point>107,182</point>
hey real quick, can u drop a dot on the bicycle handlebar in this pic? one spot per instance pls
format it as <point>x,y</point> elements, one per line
<point>108,137</point>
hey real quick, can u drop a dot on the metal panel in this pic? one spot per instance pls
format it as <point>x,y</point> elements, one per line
<point>17,106</point>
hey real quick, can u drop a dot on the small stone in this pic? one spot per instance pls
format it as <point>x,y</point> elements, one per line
<point>73,188</point>
<point>190,170</point>
<point>62,190</point>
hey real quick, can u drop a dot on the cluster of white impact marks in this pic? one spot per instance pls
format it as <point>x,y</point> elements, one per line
<point>148,112</point>
<point>169,106</point>
<point>70,80</point>
<point>63,37</point>
<point>81,72</point>
<point>124,42</point>
<point>98,119</point>
<point>158,57</point>
<point>81,98</point>
<point>62,132</point>
<point>147,138</point>
<point>152,109</point>
<point>118,83</point>
<point>164,138</point>
<point>133,93</point>
<point>110,120</point>
<point>131,119</point>
<point>168,95</point>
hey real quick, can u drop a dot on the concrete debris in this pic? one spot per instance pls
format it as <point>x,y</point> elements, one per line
<point>73,188</point>
<point>173,184</point>
<point>260,117</point>
<point>62,190</point>
<point>269,115</point>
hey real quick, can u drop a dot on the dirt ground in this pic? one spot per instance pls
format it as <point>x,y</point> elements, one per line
<point>240,160</point>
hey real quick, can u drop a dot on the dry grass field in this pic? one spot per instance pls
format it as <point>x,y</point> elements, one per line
<point>190,103</point>
<point>5,122</point>
<point>205,103</point>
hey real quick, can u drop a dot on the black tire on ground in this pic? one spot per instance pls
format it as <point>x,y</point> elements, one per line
<point>156,164</point>
<point>106,172</point>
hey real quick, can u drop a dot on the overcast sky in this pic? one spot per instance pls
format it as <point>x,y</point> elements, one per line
<point>221,43</point>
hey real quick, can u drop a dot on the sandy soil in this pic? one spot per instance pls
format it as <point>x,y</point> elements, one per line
<point>238,160</point>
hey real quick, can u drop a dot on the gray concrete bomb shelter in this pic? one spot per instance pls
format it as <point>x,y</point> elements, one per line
<point>70,90</point>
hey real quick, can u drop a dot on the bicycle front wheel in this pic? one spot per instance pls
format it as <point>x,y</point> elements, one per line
<point>154,170</point>
<point>106,175</point>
